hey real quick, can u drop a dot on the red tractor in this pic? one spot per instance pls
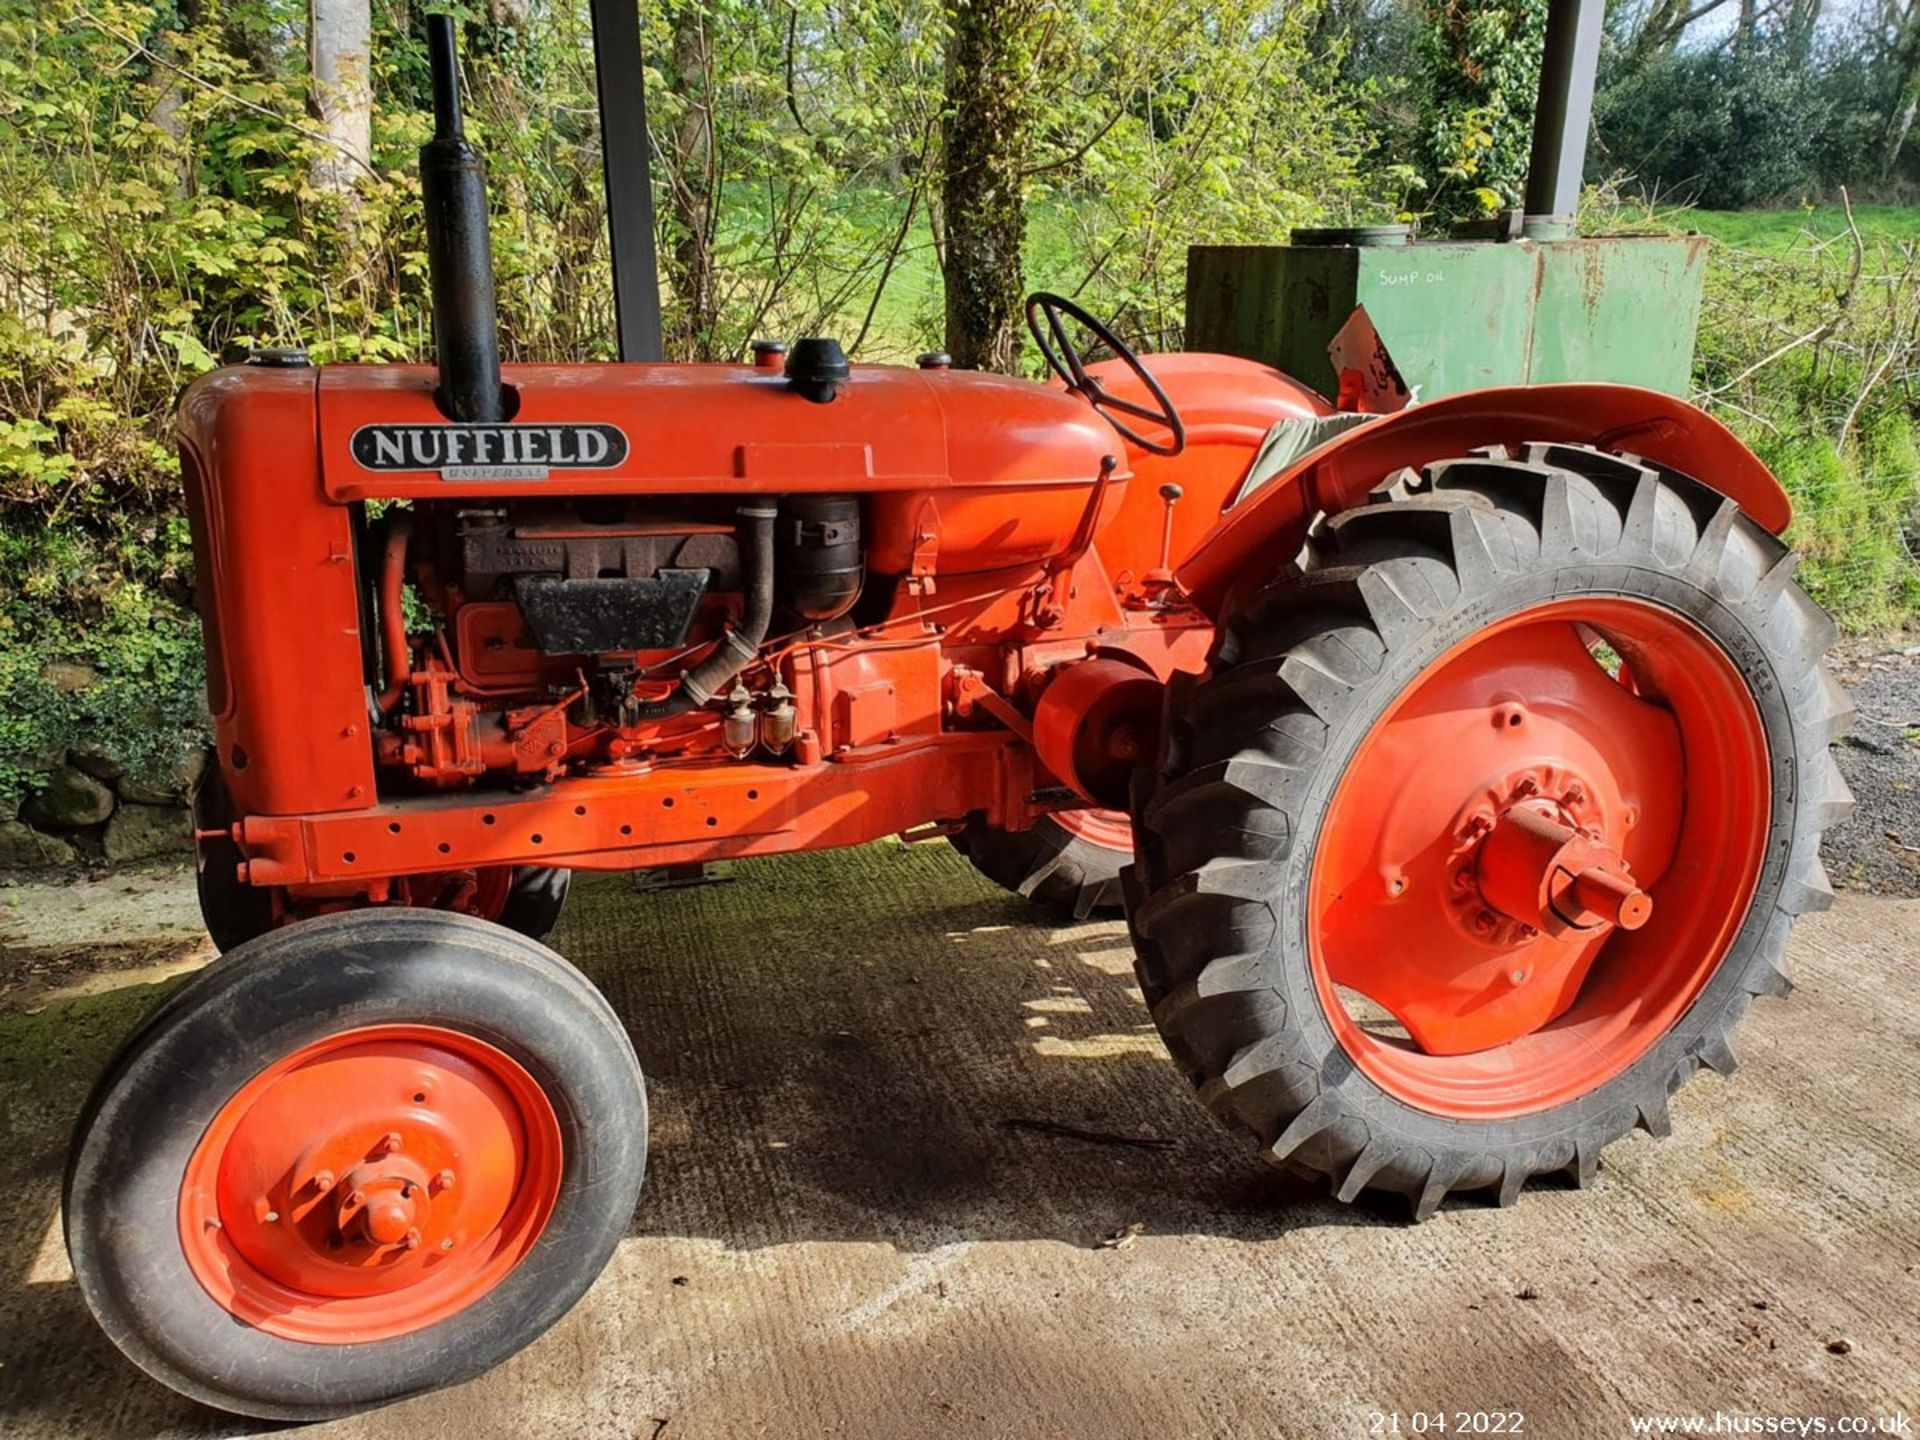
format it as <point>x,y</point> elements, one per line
<point>1461,779</point>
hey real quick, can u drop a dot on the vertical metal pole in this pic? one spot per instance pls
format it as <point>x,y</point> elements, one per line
<point>1563,113</point>
<point>626,154</point>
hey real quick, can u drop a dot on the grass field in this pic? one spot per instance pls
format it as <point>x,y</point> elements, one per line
<point>1780,230</point>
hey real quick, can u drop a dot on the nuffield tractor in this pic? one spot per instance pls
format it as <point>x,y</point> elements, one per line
<point>1460,779</point>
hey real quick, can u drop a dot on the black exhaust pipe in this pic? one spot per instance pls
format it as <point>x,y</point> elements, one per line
<point>453,191</point>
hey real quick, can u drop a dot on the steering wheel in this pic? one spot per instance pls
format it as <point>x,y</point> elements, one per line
<point>1064,359</point>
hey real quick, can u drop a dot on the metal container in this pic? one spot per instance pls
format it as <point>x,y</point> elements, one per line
<point>1459,315</point>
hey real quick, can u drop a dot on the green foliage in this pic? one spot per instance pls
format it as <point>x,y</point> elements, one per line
<point>163,212</point>
<point>1481,72</point>
<point>795,151</point>
<point>72,599</point>
<point>1722,129</point>
<point>1184,123</point>
<point>1795,102</point>
<point>1777,232</point>
<point>1810,348</point>
<point>1856,516</point>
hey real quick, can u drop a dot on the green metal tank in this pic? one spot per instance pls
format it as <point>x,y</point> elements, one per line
<point>1458,314</point>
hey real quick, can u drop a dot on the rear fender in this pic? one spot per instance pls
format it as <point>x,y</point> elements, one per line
<point>1265,530</point>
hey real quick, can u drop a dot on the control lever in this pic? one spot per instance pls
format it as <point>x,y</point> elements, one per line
<point>1159,581</point>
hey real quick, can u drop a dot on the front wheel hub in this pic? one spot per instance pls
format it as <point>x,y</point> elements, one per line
<point>370,1183</point>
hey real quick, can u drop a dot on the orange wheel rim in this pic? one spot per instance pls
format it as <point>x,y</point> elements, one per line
<point>1109,829</point>
<point>1538,857</point>
<point>370,1184</point>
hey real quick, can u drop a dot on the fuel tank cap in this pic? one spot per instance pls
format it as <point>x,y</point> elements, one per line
<point>817,367</point>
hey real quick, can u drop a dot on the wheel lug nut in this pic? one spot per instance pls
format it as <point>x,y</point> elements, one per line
<point>1527,787</point>
<point>443,1181</point>
<point>1483,922</point>
<point>357,1199</point>
<point>322,1180</point>
<point>389,1142</point>
<point>1576,795</point>
<point>410,1240</point>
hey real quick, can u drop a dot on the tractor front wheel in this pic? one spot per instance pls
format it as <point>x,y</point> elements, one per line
<point>360,1157</point>
<point>1487,822</point>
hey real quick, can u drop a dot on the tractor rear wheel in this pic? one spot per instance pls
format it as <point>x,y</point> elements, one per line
<point>363,1156</point>
<point>1069,863</point>
<point>1487,823</point>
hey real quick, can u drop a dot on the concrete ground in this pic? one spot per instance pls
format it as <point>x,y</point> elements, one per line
<point>854,1226</point>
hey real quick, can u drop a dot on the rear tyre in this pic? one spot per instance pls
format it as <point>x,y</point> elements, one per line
<point>1069,863</point>
<point>1610,647</point>
<point>361,1157</point>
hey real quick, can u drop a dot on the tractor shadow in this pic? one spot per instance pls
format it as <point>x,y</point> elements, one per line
<point>880,1046</point>
<point>874,1046</point>
<point>59,1374</point>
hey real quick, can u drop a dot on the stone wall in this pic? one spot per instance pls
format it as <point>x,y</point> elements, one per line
<point>89,811</point>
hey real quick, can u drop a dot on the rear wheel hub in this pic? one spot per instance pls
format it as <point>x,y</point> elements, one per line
<point>1536,869</point>
<point>1534,860</point>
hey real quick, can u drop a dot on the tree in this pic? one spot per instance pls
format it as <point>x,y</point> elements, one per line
<point>1482,75</point>
<point>985,137</point>
<point>339,41</point>
<point>695,185</point>
<point>1903,60</point>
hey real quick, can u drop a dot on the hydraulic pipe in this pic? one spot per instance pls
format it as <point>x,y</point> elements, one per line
<point>742,643</point>
<point>453,194</point>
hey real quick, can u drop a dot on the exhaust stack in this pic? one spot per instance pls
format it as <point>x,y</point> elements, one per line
<point>453,190</point>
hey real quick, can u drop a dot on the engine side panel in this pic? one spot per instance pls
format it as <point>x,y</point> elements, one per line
<point>392,688</point>
<point>277,575</point>
<point>945,438</point>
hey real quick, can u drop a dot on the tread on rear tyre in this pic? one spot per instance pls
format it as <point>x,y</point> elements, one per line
<point>1300,848</point>
<point>1069,864</point>
<point>361,1157</point>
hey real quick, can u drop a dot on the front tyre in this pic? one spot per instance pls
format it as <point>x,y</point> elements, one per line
<point>1488,823</point>
<point>360,1157</point>
<point>535,899</point>
<point>233,911</point>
